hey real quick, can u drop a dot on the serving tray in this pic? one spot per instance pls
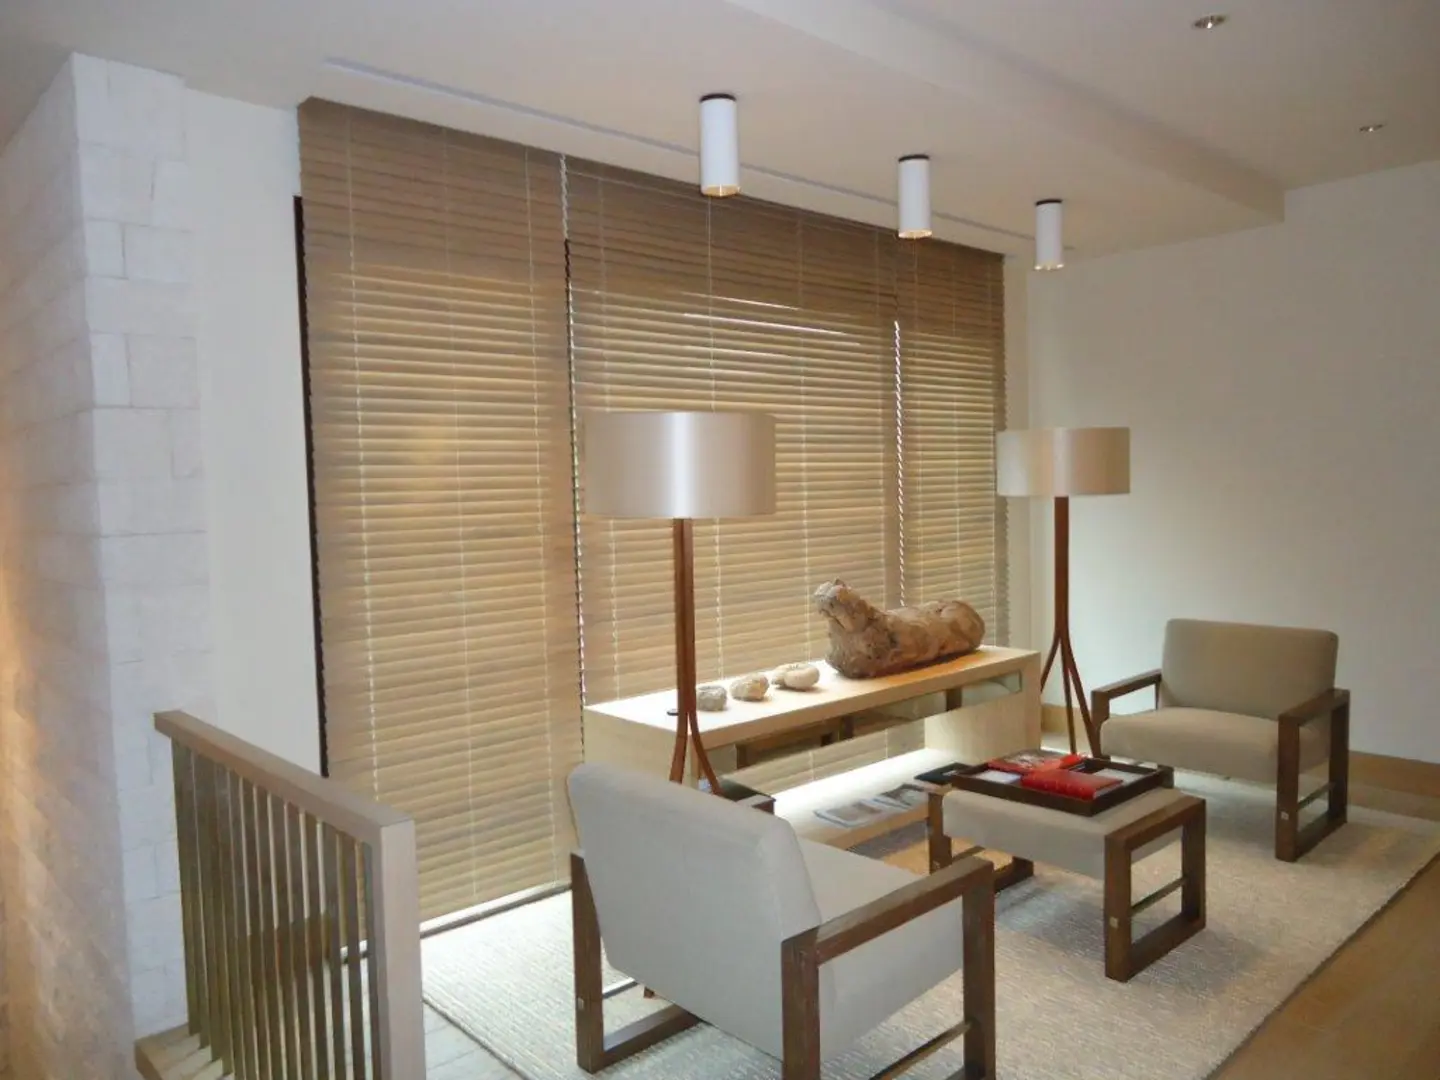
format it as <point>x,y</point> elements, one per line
<point>984,780</point>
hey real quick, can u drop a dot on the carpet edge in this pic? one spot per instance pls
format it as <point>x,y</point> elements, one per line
<point>1239,1047</point>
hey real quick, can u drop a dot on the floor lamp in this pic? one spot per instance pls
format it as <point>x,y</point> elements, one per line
<point>1058,463</point>
<point>682,466</point>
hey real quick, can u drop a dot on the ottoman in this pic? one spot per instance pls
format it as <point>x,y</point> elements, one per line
<point>1105,846</point>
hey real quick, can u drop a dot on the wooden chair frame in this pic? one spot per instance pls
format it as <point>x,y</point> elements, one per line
<point>969,880</point>
<point>1291,840</point>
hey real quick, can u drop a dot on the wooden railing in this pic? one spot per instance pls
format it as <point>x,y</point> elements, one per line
<point>302,923</point>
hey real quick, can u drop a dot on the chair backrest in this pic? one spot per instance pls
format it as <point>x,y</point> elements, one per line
<point>694,894</point>
<point>1244,668</point>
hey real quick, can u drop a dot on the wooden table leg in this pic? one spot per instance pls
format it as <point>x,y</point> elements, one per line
<point>941,849</point>
<point>1118,918</point>
<point>1124,956</point>
<point>1019,870</point>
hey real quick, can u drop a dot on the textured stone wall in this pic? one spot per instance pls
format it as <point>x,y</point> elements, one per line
<point>68,995</point>
<point>135,196</point>
<point>103,564</point>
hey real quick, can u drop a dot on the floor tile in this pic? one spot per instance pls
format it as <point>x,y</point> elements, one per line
<point>474,1066</point>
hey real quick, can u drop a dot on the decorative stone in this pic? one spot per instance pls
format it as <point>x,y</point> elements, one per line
<point>750,687</point>
<point>795,676</point>
<point>867,642</point>
<point>711,697</point>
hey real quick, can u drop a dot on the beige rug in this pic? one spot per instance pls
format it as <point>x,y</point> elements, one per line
<point>507,980</point>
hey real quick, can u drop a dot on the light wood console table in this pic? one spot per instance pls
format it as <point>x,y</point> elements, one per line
<point>639,732</point>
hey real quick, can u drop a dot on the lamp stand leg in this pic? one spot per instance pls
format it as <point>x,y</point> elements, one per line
<point>1060,643</point>
<point>687,717</point>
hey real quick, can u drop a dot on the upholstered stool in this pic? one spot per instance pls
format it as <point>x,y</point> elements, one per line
<point>1105,846</point>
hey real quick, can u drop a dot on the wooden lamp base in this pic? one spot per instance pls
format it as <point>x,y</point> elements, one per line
<point>687,715</point>
<point>1060,643</point>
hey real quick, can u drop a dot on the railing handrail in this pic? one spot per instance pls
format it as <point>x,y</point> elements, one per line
<point>319,796</point>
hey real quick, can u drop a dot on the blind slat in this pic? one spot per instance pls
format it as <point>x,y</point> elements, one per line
<point>439,390</point>
<point>460,313</point>
<point>684,302</point>
<point>952,371</point>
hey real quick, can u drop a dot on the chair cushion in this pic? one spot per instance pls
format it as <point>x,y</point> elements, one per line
<point>1070,841</point>
<point>1243,668</point>
<point>867,985</point>
<point>1204,740</point>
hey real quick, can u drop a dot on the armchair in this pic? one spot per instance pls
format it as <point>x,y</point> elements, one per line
<point>793,947</point>
<point>1252,702</point>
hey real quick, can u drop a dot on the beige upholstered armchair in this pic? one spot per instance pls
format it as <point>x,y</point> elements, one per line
<point>793,947</point>
<point>1250,702</point>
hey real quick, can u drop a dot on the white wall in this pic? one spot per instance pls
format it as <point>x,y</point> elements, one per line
<point>246,171</point>
<point>1282,386</point>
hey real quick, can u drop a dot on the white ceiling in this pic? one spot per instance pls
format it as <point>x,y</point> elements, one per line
<point>1150,130</point>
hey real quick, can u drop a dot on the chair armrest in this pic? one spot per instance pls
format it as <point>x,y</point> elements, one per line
<point>1323,704</point>
<point>1100,702</point>
<point>1109,693</point>
<point>802,954</point>
<point>845,932</point>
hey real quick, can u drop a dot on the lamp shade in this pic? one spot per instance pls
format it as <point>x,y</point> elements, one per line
<point>914,201</point>
<point>719,145</point>
<point>1063,461</point>
<point>679,464</point>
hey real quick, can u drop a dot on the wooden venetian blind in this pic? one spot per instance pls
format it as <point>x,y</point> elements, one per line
<point>952,389</point>
<point>684,302</point>
<point>436,298</point>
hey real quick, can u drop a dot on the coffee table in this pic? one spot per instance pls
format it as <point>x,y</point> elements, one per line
<point>1105,846</point>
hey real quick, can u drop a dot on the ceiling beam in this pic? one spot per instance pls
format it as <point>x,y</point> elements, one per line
<point>421,99</point>
<point>932,52</point>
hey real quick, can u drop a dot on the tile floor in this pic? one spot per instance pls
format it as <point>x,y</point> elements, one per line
<point>1373,1012</point>
<point>450,1054</point>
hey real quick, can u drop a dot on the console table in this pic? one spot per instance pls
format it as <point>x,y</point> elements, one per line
<point>639,732</point>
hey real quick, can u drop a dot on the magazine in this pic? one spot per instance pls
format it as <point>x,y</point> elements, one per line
<point>904,797</point>
<point>998,776</point>
<point>1026,761</point>
<point>854,814</point>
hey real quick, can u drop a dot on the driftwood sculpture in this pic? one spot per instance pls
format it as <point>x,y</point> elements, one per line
<point>866,642</point>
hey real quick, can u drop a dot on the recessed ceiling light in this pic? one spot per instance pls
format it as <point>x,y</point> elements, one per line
<point>1371,129</point>
<point>1209,22</point>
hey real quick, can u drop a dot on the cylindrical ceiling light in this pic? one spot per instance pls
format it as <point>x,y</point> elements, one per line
<point>1049,240</point>
<point>719,145</point>
<point>914,196</point>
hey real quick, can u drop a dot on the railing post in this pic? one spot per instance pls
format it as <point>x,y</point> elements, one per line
<point>395,897</point>
<point>188,856</point>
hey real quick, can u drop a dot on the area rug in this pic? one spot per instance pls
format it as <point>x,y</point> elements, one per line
<point>507,980</point>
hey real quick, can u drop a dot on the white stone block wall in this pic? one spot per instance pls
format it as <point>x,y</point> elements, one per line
<point>104,600</point>
<point>150,489</point>
<point>67,1010</point>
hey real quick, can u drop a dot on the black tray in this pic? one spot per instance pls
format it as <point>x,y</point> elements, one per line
<point>966,778</point>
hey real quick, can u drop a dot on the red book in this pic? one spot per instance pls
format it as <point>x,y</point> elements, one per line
<point>1076,785</point>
